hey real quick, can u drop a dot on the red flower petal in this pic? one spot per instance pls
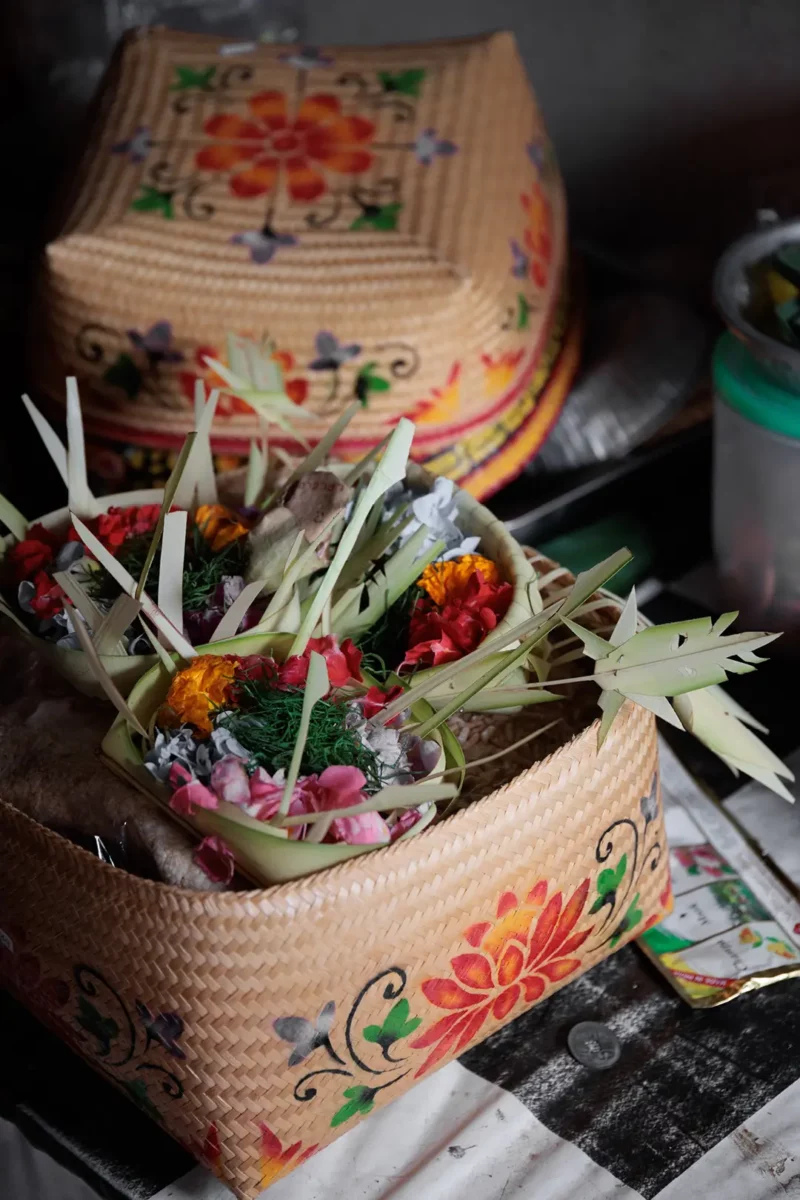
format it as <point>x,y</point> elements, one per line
<point>297,390</point>
<point>212,1151</point>
<point>270,1146</point>
<point>473,970</point>
<point>307,1153</point>
<point>560,969</point>
<point>290,1152</point>
<point>472,1026</point>
<point>569,918</point>
<point>256,180</point>
<point>305,182</point>
<point>446,1044</point>
<point>229,125</point>
<point>577,939</point>
<point>510,965</point>
<point>505,1002</point>
<point>436,1031</point>
<point>221,156</point>
<point>506,902</point>
<point>269,107</point>
<point>317,109</point>
<point>444,993</point>
<point>538,894</point>
<point>544,928</point>
<point>533,987</point>
<point>476,933</point>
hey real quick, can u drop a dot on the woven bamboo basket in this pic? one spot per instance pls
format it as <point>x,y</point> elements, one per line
<point>258,1026</point>
<point>390,219</point>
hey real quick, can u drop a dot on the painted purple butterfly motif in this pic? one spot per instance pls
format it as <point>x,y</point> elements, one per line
<point>156,344</point>
<point>429,146</point>
<point>264,243</point>
<point>137,146</point>
<point>537,153</point>
<point>521,262</point>
<point>331,354</point>
<point>307,1035</point>
<point>307,58</point>
<point>165,1028</point>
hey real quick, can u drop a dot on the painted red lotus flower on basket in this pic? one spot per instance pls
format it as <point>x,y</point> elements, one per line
<point>514,958</point>
<point>275,1161</point>
<point>258,150</point>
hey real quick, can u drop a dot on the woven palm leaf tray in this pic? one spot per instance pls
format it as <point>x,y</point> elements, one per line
<point>389,219</point>
<point>258,1026</point>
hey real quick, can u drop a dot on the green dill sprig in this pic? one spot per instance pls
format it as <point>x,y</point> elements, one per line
<point>204,568</point>
<point>267,722</point>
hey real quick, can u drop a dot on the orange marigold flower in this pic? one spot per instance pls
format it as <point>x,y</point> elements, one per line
<point>197,690</point>
<point>219,525</point>
<point>445,582</point>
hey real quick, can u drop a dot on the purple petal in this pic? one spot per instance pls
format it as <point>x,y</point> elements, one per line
<point>262,254</point>
<point>446,148</point>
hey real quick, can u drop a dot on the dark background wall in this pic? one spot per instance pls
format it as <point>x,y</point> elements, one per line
<point>667,115</point>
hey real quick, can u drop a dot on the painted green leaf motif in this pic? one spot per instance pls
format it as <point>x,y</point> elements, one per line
<point>407,83</point>
<point>631,919</point>
<point>359,1100</point>
<point>383,218</point>
<point>366,383</point>
<point>396,1026</point>
<point>137,1090</point>
<point>188,78</point>
<point>523,312</point>
<point>607,883</point>
<point>104,1029</point>
<point>150,199</point>
<point>125,374</point>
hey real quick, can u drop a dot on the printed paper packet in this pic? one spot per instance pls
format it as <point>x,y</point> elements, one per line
<point>734,926</point>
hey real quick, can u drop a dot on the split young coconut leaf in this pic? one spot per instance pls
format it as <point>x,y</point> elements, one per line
<point>685,662</point>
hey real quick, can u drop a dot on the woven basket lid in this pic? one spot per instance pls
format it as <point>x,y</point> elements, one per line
<point>390,219</point>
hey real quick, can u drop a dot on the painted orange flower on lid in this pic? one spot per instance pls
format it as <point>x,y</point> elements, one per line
<point>318,139</point>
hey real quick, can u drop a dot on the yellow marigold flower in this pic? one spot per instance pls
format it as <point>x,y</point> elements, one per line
<point>219,525</point>
<point>197,690</point>
<point>445,581</point>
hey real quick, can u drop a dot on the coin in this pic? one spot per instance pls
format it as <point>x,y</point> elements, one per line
<point>594,1045</point>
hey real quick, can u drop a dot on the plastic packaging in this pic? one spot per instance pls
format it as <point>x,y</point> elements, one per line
<point>757,492</point>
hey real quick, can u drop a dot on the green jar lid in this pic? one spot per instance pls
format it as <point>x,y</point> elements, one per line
<point>747,388</point>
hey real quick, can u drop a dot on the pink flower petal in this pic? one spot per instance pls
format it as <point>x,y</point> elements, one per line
<point>264,793</point>
<point>216,859</point>
<point>404,822</point>
<point>342,786</point>
<point>178,775</point>
<point>230,780</point>
<point>191,796</point>
<point>368,829</point>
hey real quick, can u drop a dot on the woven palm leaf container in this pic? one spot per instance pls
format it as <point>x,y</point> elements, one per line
<point>258,1026</point>
<point>389,221</point>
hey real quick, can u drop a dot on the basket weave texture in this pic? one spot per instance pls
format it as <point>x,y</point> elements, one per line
<point>391,218</point>
<point>257,1026</point>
